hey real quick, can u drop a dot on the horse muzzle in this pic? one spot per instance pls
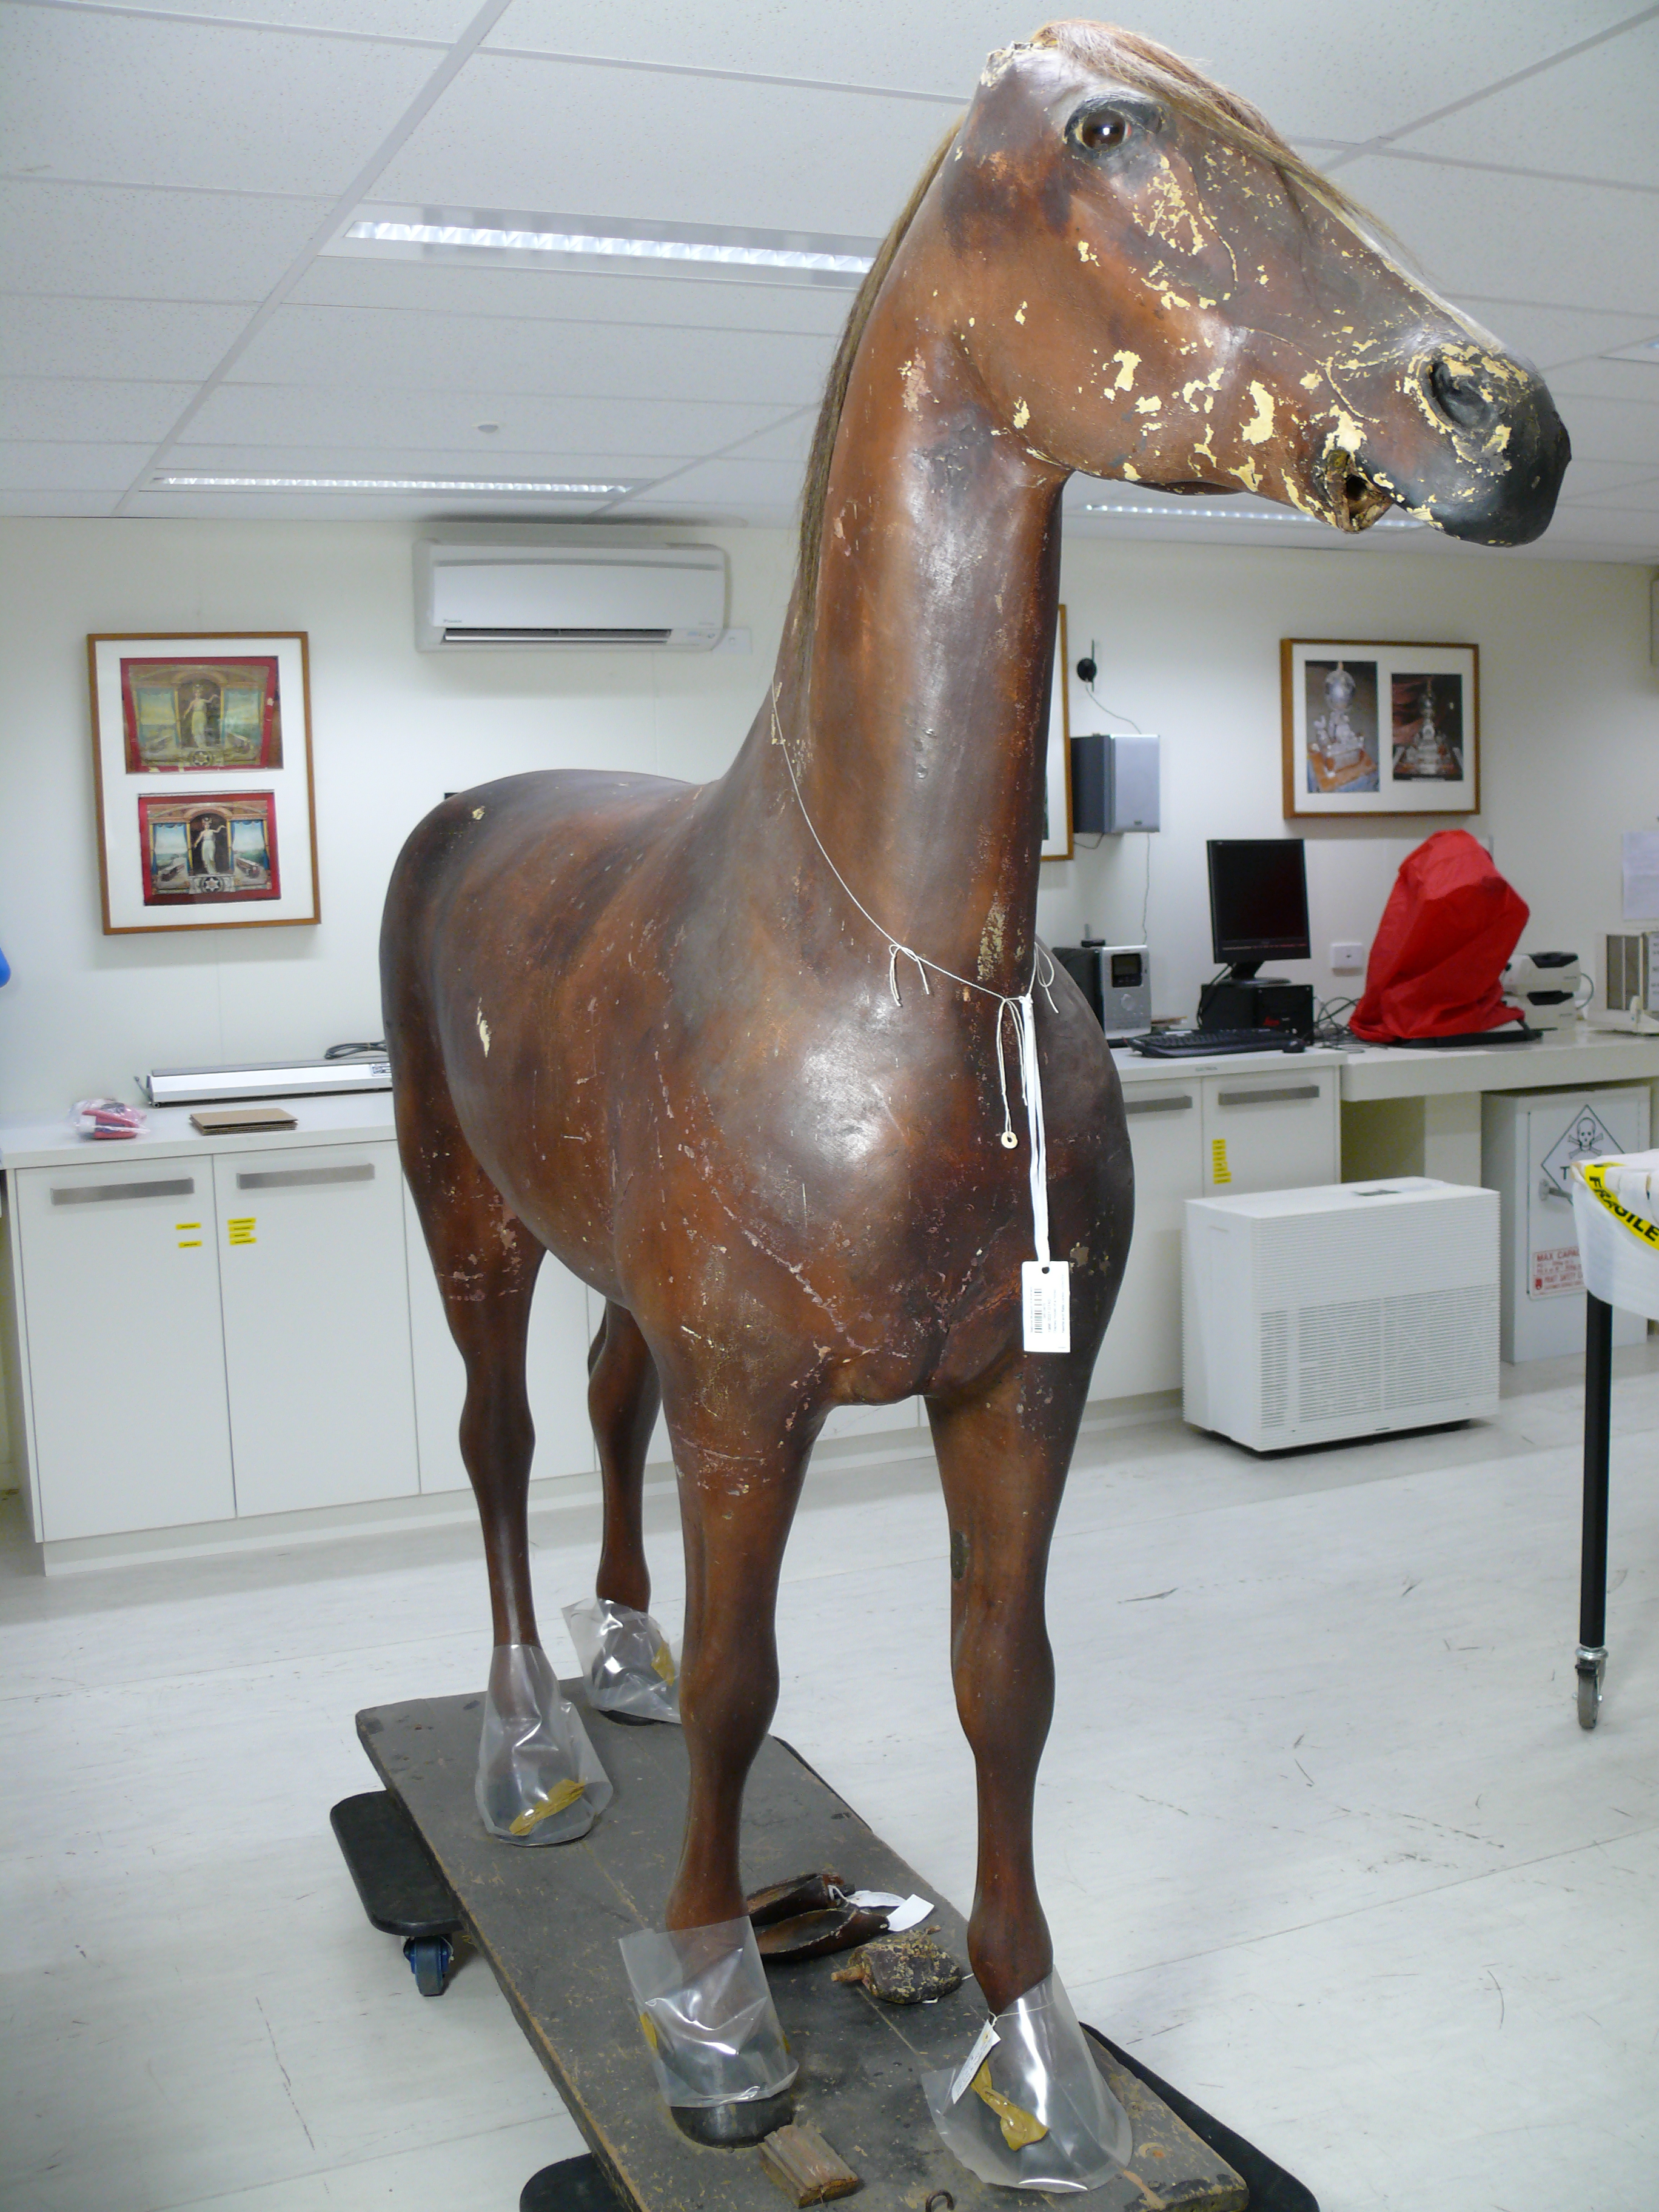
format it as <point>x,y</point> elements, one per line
<point>1486,458</point>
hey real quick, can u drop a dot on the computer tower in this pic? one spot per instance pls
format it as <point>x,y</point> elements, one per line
<point>1257,1002</point>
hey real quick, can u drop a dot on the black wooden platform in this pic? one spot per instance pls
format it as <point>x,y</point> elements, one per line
<point>548,1922</point>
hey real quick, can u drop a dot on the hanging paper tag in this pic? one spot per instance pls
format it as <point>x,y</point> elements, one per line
<point>983,2043</point>
<point>1046,1297</point>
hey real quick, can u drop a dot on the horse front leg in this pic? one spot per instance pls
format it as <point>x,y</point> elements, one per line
<point>700,1984</point>
<point>739,1491</point>
<point>1003,1456</point>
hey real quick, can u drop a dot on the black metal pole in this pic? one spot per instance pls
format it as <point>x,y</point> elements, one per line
<point>1598,1394</point>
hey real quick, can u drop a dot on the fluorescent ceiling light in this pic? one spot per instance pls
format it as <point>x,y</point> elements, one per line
<point>1205,513</point>
<point>634,249</point>
<point>529,241</point>
<point>175,480</point>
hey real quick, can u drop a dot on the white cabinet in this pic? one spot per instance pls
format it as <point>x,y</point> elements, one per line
<point>555,1371</point>
<point>316,1333</point>
<point>1271,1130</point>
<point>125,1357</point>
<point>1193,1133</point>
<point>1142,1351</point>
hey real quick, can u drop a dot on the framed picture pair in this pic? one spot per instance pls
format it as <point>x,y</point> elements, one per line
<point>202,759</point>
<point>1380,728</point>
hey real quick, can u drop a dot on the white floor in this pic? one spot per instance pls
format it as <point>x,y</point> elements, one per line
<point>1318,1834</point>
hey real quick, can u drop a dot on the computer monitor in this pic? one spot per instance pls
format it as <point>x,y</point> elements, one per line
<point>1258,901</point>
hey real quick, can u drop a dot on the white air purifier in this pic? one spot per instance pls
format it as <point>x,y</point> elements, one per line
<point>1342,1311</point>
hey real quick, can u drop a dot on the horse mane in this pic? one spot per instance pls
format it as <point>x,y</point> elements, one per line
<point>1144,66</point>
<point>834,391</point>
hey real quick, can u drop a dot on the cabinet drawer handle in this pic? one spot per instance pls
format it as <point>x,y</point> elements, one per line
<point>1157,1105</point>
<point>1279,1095</point>
<point>101,1193</point>
<point>293,1178</point>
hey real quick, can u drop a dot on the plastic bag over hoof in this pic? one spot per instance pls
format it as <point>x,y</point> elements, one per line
<point>706,2014</point>
<point>540,1778</point>
<point>1028,2108</point>
<point>625,1659</point>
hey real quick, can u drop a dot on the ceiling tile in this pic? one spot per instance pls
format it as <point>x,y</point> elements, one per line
<point>598,295</point>
<point>1620,535</point>
<point>1333,73</point>
<point>731,480</point>
<point>101,242</point>
<point>43,465</point>
<point>1569,245</point>
<point>1612,430</point>
<point>83,409</point>
<point>137,338</point>
<point>403,19</point>
<point>276,415</point>
<point>1585,479</point>
<point>250,457</point>
<point>1633,383</point>
<point>1593,115</point>
<point>644,146</point>
<point>1551,335</point>
<point>212,107</point>
<point>393,351</point>
<point>1632,498</point>
<point>58,502</point>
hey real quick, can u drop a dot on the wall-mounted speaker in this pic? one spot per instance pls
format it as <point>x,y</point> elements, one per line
<point>1114,784</point>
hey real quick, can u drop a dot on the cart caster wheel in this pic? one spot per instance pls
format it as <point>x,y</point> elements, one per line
<point>1589,1693</point>
<point>429,1958</point>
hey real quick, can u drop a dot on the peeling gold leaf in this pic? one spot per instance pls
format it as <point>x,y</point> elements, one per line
<point>1018,2126</point>
<point>567,1794</point>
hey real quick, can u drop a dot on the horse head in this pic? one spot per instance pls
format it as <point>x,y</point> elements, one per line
<point>1151,284</point>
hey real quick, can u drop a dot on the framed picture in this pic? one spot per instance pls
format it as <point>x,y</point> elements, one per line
<point>1380,729</point>
<point>1057,789</point>
<point>202,766</point>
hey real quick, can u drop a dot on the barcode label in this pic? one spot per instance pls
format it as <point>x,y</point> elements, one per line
<point>984,2042</point>
<point>1046,1297</point>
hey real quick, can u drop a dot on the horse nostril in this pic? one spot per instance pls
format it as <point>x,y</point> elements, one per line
<point>1462,402</point>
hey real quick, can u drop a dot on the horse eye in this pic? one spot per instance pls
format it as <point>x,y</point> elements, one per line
<point>1100,129</point>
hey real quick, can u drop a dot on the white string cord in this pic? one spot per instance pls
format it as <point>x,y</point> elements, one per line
<point>1020,1007</point>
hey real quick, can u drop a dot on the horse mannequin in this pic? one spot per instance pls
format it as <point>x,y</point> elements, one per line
<point>677,1035</point>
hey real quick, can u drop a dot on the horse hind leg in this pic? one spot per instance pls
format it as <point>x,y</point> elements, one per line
<point>539,1779</point>
<point>625,1659</point>
<point>624,1397</point>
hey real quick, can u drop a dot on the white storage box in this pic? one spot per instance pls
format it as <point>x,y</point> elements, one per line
<point>1340,1310</point>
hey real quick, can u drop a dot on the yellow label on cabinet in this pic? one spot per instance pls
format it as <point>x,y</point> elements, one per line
<point>241,1231</point>
<point>1219,1170</point>
<point>188,1244</point>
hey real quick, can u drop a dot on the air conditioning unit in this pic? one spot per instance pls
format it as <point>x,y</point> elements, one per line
<point>520,585</point>
<point>1340,1310</point>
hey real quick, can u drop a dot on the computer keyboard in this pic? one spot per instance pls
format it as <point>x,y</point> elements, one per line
<point>1197,1044</point>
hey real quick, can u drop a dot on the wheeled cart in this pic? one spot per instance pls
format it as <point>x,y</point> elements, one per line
<point>548,1922</point>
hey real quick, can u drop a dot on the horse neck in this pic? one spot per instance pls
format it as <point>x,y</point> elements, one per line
<point>919,737</point>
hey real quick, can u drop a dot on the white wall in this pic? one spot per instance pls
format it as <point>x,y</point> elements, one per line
<point>1187,644</point>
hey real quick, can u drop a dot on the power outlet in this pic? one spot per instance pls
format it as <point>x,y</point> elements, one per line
<point>1347,959</point>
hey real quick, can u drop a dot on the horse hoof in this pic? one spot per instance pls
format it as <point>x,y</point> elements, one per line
<point>746,2120</point>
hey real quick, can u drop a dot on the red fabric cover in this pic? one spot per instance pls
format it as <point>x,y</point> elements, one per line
<point>1447,932</point>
